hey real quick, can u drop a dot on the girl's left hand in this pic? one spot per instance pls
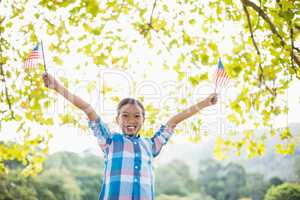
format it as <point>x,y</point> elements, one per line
<point>211,99</point>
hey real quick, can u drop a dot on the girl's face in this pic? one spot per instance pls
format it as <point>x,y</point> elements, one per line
<point>130,119</point>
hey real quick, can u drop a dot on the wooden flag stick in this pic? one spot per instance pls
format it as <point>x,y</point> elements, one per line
<point>215,85</point>
<point>43,57</point>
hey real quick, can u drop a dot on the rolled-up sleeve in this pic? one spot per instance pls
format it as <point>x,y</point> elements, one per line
<point>101,132</point>
<point>160,138</point>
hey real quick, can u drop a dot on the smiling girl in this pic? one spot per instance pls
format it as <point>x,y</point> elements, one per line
<point>128,170</point>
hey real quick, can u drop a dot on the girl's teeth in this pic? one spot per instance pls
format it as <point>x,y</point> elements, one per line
<point>131,128</point>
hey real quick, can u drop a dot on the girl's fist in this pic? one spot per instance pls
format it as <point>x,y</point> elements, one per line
<point>50,81</point>
<point>211,99</point>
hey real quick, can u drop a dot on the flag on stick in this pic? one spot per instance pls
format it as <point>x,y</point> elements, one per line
<point>44,57</point>
<point>220,77</point>
<point>33,59</point>
<point>36,54</point>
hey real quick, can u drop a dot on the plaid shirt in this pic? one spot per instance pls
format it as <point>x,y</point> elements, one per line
<point>128,171</point>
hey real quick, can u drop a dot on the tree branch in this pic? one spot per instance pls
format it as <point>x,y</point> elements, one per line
<point>262,14</point>
<point>154,5</point>
<point>293,56</point>
<point>265,17</point>
<point>6,91</point>
<point>296,48</point>
<point>251,30</point>
<point>261,75</point>
<point>4,81</point>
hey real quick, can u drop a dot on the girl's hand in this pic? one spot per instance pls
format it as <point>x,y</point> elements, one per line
<point>50,81</point>
<point>211,99</point>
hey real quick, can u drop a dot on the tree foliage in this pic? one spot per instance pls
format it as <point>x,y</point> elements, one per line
<point>283,192</point>
<point>83,172</point>
<point>59,180</point>
<point>262,61</point>
<point>57,184</point>
<point>13,186</point>
<point>222,182</point>
<point>296,168</point>
<point>190,197</point>
<point>256,186</point>
<point>174,180</point>
<point>231,181</point>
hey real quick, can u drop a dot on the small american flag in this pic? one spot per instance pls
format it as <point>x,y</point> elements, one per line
<point>33,59</point>
<point>220,77</point>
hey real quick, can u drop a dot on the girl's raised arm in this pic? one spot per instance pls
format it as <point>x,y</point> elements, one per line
<point>173,121</point>
<point>52,83</point>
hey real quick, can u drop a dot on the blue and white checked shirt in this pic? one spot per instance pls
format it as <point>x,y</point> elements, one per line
<point>128,171</point>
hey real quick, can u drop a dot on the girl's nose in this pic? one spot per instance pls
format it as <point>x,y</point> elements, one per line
<point>131,119</point>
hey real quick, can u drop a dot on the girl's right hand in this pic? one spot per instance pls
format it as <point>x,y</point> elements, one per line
<point>50,81</point>
<point>211,99</point>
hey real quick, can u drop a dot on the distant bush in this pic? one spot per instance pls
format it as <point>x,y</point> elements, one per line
<point>285,191</point>
<point>15,186</point>
<point>194,196</point>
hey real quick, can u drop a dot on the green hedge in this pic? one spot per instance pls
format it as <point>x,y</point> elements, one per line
<point>287,191</point>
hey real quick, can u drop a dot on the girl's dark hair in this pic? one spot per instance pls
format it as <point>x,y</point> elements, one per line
<point>126,101</point>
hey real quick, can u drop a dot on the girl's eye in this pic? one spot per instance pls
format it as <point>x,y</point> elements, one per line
<point>137,116</point>
<point>125,115</point>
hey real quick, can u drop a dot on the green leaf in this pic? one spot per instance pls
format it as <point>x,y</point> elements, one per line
<point>285,134</point>
<point>49,121</point>
<point>233,119</point>
<point>228,2</point>
<point>67,119</point>
<point>204,59</point>
<point>192,21</point>
<point>91,86</point>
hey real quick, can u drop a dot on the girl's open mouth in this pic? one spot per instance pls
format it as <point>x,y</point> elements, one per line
<point>131,128</point>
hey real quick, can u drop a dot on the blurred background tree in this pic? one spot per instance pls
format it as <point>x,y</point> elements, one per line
<point>262,58</point>
<point>174,180</point>
<point>284,191</point>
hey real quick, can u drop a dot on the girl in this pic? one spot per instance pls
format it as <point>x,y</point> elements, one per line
<point>128,172</point>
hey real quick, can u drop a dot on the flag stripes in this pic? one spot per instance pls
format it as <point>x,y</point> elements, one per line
<point>33,59</point>
<point>220,77</point>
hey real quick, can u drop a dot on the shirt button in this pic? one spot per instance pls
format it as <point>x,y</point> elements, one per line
<point>136,154</point>
<point>136,167</point>
<point>135,180</point>
<point>135,143</point>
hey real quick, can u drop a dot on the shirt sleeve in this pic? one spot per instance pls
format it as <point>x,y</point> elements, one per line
<point>160,138</point>
<point>101,132</point>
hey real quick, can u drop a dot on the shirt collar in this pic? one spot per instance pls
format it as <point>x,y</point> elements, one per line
<point>132,136</point>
